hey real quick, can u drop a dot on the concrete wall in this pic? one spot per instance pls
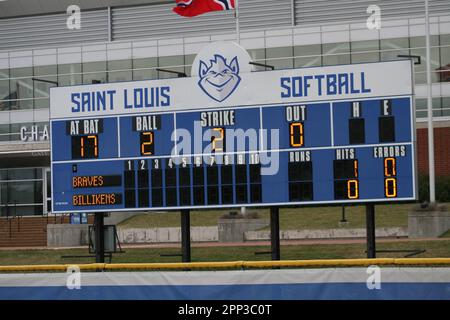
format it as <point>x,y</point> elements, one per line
<point>232,230</point>
<point>324,234</point>
<point>162,235</point>
<point>67,235</point>
<point>117,217</point>
<point>428,224</point>
<point>212,234</point>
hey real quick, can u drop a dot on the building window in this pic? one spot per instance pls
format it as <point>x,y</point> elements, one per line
<point>120,70</point>
<point>336,53</point>
<point>42,89</point>
<point>21,88</point>
<point>418,48</point>
<point>69,74</point>
<point>280,58</point>
<point>21,191</point>
<point>4,90</point>
<point>188,61</point>
<point>421,108</point>
<point>308,56</point>
<point>446,106</point>
<point>443,72</point>
<point>365,51</point>
<point>391,48</point>
<point>258,55</point>
<point>94,71</point>
<point>145,69</point>
<point>173,63</point>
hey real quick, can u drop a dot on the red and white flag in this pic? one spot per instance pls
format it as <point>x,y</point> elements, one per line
<point>192,8</point>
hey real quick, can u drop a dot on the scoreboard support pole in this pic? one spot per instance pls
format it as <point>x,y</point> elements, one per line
<point>185,236</point>
<point>370,229</point>
<point>275,232</point>
<point>99,237</point>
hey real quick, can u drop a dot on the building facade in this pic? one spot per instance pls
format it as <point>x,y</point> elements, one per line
<point>129,40</point>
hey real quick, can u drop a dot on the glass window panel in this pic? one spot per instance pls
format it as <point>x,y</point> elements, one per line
<point>258,55</point>
<point>21,192</point>
<point>437,107</point>
<point>420,42</point>
<point>173,63</point>
<point>94,71</point>
<point>394,44</point>
<point>69,74</point>
<point>308,56</point>
<point>336,53</point>
<point>4,135</point>
<point>42,89</point>
<point>141,72</point>
<point>21,87</point>
<point>49,184</point>
<point>4,89</point>
<point>443,72</point>
<point>188,60</point>
<point>365,51</point>
<point>10,137</point>
<point>273,55</point>
<point>421,107</point>
<point>446,106</point>
<point>365,57</point>
<point>22,210</point>
<point>125,73</point>
<point>393,54</point>
<point>420,69</point>
<point>24,174</point>
<point>391,48</point>
<point>3,193</point>
<point>42,103</point>
<point>444,39</point>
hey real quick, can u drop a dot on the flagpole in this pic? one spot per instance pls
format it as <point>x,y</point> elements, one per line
<point>236,12</point>
<point>429,109</point>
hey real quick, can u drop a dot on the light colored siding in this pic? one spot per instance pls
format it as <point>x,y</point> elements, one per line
<point>51,30</point>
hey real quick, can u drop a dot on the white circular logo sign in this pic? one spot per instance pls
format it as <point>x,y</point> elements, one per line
<point>218,67</point>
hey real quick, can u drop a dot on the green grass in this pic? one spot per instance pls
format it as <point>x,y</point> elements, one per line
<point>290,252</point>
<point>290,218</point>
<point>445,235</point>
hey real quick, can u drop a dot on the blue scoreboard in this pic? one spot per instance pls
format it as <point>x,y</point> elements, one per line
<point>230,137</point>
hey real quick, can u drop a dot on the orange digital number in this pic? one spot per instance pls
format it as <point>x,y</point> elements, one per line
<point>390,183</point>
<point>82,153</point>
<point>296,134</point>
<point>389,167</point>
<point>145,145</point>
<point>390,187</point>
<point>352,189</point>
<point>216,139</point>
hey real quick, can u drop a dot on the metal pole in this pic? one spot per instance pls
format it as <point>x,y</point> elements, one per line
<point>99,238</point>
<point>238,32</point>
<point>370,227</point>
<point>343,214</point>
<point>430,109</point>
<point>275,232</point>
<point>186,235</point>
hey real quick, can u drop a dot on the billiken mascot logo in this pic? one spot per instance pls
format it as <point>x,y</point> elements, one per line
<point>219,79</point>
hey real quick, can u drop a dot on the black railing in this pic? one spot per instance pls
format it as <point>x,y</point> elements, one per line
<point>12,217</point>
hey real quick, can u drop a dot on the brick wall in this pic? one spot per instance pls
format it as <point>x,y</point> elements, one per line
<point>441,151</point>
